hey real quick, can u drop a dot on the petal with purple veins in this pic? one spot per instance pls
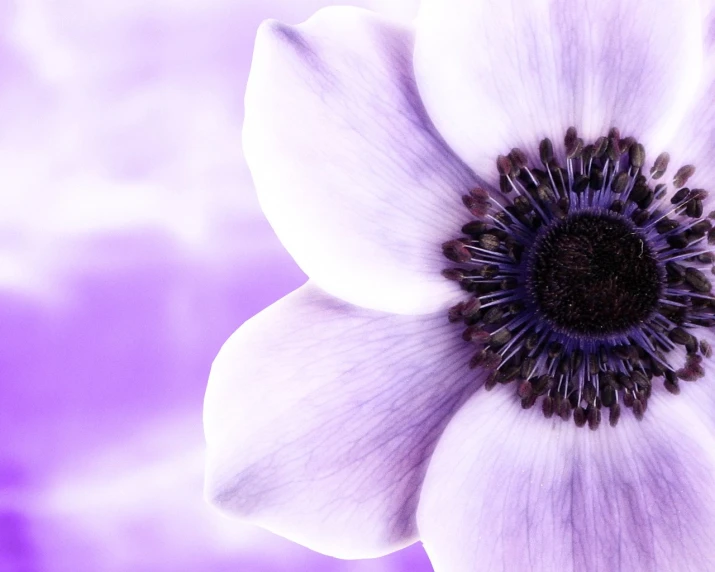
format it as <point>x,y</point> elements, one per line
<point>507,489</point>
<point>496,75</point>
<point>352,175</point>
<point>320,418</point>
<point>694,140</point>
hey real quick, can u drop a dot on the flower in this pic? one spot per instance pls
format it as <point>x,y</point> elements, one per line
<point>347,417</point>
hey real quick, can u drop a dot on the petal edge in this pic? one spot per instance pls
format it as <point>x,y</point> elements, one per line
<point>355,180</point>
<point>320,418</point>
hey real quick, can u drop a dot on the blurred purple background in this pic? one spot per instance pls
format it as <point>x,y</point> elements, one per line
<point>131,246</point>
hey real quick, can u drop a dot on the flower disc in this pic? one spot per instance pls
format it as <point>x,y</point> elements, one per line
<point>586,277</point>
<point>594,274</point>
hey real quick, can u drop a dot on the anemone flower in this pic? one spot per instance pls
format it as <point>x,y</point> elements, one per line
<point>503,213</point>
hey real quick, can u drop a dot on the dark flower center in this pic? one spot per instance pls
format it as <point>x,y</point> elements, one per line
<point>586,278</point>
<point>594,274</point>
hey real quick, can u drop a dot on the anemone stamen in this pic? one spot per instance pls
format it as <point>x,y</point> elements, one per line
<point>585,279</point>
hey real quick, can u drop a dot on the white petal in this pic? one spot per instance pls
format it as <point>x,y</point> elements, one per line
<point>350,172</point>
<point>509,490</point>
<point>320,418</point>
<point>495,75</point>
<point>708,12</point>
<point>694,141</point>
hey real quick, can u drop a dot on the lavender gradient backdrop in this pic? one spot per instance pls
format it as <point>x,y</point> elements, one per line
<point>131,246</point>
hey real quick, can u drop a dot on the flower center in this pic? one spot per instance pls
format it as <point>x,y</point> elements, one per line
<point>593,274</point>
<point>585,278</point>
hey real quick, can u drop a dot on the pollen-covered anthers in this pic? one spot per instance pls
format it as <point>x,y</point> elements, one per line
<point>586,373</point>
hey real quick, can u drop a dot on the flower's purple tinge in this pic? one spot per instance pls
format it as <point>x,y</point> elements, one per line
<point>344,417</point>
<point>320,419</point>
<point>518,493</point>
<point>495,75</point>
<point>349,170</point>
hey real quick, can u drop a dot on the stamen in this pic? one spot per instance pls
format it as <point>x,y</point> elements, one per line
<point>584,277</point>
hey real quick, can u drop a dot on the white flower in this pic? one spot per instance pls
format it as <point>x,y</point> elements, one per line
<point>346,416</point>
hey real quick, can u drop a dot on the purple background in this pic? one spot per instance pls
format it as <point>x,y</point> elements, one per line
<point>131,246</point>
